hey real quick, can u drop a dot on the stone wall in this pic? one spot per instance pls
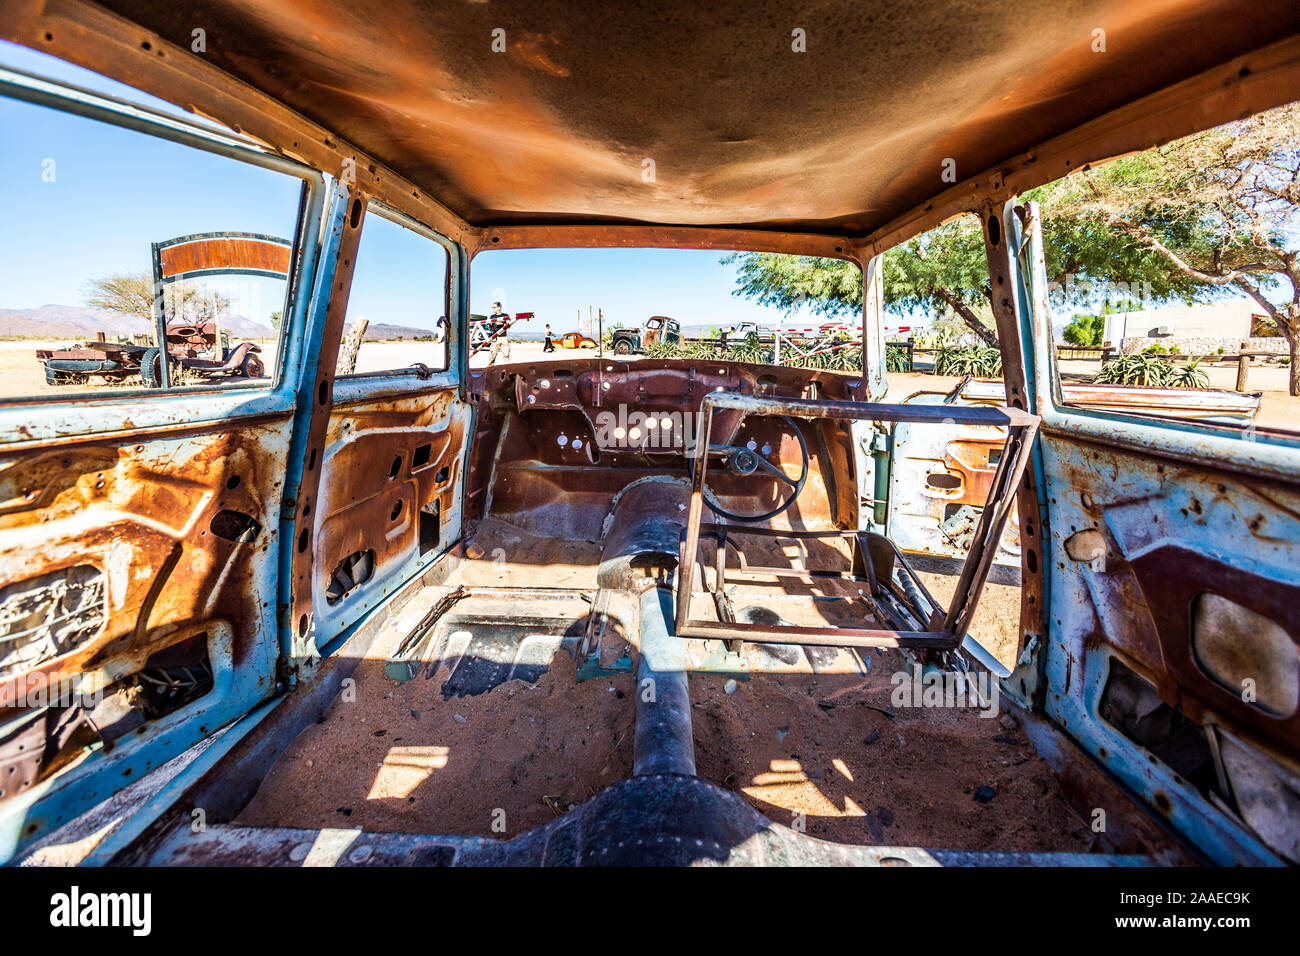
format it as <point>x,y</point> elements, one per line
<point>1206,345</point>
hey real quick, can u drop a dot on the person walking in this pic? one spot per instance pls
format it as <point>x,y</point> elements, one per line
<point>549,346</point>
<point>499,329</point>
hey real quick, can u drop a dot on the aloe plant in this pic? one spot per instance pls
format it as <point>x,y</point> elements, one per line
<point>896,359</point>
<point>981,361</point>
<point>1148,371</point>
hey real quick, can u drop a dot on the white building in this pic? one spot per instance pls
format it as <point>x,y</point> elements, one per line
<point>1226,319</point>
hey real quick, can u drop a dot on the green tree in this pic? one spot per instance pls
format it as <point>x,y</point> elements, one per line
<point>1085,330</point>
<point>946,270</point>
<point>1219,208</point>
<point>940,271</point>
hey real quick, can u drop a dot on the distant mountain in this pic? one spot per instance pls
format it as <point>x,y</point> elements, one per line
<point>385,332</point>
<point>242,327</point>
<point>66,320</point>
<point>72,321</point>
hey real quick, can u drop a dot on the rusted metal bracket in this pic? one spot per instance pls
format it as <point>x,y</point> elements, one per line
<point>405,662</point>
<point>879,565</point>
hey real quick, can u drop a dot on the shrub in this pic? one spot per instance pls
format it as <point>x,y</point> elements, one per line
<point>1148,371</point>
<point>982,361</point>
<point>1085,330</point>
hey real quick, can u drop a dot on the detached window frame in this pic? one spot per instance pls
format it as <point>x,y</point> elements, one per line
<point>73,100</point>
<point>408,379</point>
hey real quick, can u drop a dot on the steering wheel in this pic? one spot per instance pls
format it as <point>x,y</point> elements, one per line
<point>742,460</point>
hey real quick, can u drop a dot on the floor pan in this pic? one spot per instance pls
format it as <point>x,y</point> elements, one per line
<point>481,653</point>
<point>415,757</point>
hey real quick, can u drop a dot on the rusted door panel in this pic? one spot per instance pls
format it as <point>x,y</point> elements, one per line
<point>939,482</point>
<point>127,564</point>
<point>1172,557</point>
<point>391,485</point>
<point>1189,577</point>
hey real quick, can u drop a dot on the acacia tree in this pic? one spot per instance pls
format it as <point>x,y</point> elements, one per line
<point>946,269</point>
<point>133,294</point>
<point>943,269</point>
<point>1219,207</point>
<point>127,293</point>
<point>940,271</point>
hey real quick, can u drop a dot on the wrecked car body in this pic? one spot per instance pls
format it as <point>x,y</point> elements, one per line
<point>357,582</point>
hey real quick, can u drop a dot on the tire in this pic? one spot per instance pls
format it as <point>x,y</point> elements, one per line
<point>54,377</point>
<point>252,366</point>
<point>622,347</point>
<point>151,368</point>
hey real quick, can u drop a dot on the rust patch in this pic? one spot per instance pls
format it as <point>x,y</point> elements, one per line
<point>139,516</point>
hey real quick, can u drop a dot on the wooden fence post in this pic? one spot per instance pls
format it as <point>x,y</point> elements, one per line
<point>347,363</point>
<point>1243,367</point>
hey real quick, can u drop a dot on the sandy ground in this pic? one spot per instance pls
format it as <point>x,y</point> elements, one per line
<point>835,754</point>
<point>861,770</point>
<point>996,624</point>
<point>831,749</point>
<point>401,758</point>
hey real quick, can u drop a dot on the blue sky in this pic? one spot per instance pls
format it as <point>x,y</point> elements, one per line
<point>115,191</point>
<point>88,199</point>
<point>628,285</point>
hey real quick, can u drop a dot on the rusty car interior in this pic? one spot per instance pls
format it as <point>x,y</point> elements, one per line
<point>591,610</point>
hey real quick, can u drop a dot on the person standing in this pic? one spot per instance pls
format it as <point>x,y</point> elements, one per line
<point>499,329</point>
<point>549,346</point>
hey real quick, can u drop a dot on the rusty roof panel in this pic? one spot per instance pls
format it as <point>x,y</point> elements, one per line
<point>742,130</point>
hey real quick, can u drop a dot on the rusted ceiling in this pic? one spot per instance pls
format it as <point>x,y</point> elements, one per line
<point>742,130</point>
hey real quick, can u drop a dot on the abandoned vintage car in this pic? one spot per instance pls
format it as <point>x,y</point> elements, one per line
<point>658,328</point>
<point>589,608</point>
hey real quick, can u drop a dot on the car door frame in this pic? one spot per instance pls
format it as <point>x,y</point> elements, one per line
<point>392,392</point>
<point>1064,677</point>
<point>32,425</point>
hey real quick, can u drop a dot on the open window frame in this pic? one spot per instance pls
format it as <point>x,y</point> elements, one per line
<point>275,393</point>
<point>415,378</point>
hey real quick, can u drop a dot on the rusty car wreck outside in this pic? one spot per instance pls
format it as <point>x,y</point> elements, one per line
<point>600,607</point>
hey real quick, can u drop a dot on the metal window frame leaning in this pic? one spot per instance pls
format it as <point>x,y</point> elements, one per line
<point>937,629</point>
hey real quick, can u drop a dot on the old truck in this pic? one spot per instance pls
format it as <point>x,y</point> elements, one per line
<point>198,348</point>
<point>658,328</point>
<point>570,611</point>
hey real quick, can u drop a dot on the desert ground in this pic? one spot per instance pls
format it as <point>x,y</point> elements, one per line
<point>21,375</point>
